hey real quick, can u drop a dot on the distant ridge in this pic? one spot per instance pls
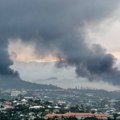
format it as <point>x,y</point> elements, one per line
<point>19,84</point>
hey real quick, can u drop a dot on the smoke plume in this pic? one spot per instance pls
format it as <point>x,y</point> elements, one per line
<point>57,26</point>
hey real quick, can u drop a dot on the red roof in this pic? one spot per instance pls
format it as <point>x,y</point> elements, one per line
<point>75,114</point>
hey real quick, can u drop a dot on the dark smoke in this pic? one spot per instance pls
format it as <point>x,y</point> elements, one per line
<point>5,62</point>
<point>53,25</point>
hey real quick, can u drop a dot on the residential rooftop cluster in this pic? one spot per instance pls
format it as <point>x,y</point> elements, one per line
<point>59,104</point>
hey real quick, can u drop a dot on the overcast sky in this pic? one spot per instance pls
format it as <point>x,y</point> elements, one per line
<point>70,43</point>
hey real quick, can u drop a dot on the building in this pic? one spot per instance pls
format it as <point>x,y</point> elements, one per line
<point>79,116</point>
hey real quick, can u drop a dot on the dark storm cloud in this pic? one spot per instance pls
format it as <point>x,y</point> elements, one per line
<point>53,25</point>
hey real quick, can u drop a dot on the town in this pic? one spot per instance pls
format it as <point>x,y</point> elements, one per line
<point>59,104</point>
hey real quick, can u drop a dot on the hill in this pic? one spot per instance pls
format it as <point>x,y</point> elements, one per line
<point>18,84</point>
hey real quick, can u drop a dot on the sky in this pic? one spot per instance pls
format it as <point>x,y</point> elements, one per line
<point>72,43</point>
